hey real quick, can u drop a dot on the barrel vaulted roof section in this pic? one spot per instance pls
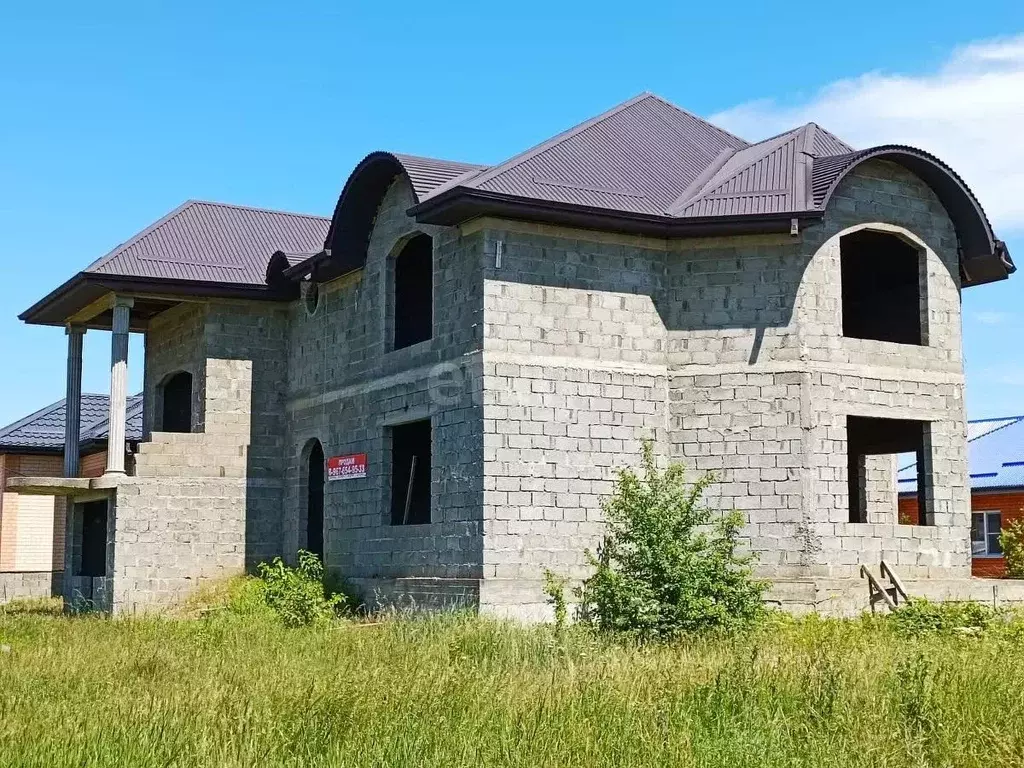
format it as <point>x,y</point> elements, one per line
<point>984,257</point>
<point>349,233</point>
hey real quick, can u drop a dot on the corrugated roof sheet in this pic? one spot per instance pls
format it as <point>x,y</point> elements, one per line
<point>44,429</point>
<point>638,157</point>
<point>995,455</point>
<point>648,156</point>
<point>767,177</point>
<point>427,174</point>
<point>213,242</point>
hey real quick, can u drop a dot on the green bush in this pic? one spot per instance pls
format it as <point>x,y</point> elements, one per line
<point>297,594</point>
<point>554,589</point>
<point>1012,541</point>
<point>668,564</point>
<point>920,616</point>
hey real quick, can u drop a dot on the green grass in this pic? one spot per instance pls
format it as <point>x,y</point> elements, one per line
<point>454,691</point>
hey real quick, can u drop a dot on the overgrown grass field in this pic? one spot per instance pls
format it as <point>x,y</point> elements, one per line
<point>244,690</point>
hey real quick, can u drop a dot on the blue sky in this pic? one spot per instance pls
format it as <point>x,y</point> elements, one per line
<point>113,115</point>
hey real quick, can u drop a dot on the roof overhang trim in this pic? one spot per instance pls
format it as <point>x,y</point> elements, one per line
<point>349,235</point>
<point>459,204</point>
<point>283,276</point>
<point>984,258</point>
<point>61,304</point>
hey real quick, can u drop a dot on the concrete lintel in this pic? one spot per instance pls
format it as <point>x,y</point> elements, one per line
<point>49,486</point>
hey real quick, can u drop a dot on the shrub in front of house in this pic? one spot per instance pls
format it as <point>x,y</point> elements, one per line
<point>1012,541</point>
<point>668,564</point>
<point>297,595</point>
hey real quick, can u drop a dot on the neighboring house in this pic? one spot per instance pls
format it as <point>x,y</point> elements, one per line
<point>32,526</point>
<point>995,460</point>
<point>433,387</point>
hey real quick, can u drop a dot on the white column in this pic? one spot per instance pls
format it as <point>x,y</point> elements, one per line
<point>118,384</point>
<point>73,400</point>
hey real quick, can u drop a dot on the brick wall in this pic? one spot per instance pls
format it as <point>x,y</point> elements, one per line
<point>574,379</point>
<point>31,527</point>
<point>1010,504</point>
<point>175,341</point>
<point>93,465</point>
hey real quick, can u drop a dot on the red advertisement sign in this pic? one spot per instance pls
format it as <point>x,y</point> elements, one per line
<point>346,467</point>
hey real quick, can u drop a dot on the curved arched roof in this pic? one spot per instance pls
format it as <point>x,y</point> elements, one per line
<point>349,234</point>
<point>977,240</point>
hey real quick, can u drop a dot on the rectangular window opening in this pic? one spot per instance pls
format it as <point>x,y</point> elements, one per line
<point>883,288</point>
<point>410,473</point>
<point>985,530</point>
<point>877,451</point>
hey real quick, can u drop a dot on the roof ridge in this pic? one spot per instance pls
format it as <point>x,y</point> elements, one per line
<point>695,187</point>
<point>1010,421</point>
<point>438,160</point>
<point>258,209</point>
<point>695,116</point>
<point>835,136</point>
<point>558,138</point>
<point>173,214</point>
<point>780,134</point>
<point>133,404</point>
<point>713,180</point>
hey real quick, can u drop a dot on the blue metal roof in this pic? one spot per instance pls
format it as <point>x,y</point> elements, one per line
<point>44,429</point>
<point>995,455</point>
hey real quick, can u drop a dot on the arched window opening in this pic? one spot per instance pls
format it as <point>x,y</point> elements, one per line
<point>413,298</point>
<point>315,501</point>
<point>176,413</point>
<point>883,288</point>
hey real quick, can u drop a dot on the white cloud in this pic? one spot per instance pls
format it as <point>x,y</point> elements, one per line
<point>970,113</point>
<point>989,317</point>
<point>1008,374</point>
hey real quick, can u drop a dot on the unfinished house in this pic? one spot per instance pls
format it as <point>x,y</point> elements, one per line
<point>432,388</point>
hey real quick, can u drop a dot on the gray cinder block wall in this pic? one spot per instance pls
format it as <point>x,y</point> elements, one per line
<point>205,504</point>
<point>729,353</point>
<point>543,374</point>
<point>347,387</point>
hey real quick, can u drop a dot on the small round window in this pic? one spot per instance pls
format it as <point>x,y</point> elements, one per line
<point>311,297</point>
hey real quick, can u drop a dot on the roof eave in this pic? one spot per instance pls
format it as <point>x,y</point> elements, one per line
<point>459,205</point>
<point>48,310</point>
<point>29,450</point>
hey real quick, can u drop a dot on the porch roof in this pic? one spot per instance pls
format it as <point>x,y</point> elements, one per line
<point>199,249</point>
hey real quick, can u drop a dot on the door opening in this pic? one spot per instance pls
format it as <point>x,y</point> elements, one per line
<point>94,539</point>
<point>315,501</point>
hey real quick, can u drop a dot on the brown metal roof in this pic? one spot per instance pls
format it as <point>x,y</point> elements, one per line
<point>649,167</point>
<point>213,242</point>
<point>636,157</point>
<point>645,167</point>
<point>427,174</point>
<point>198,249</point>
